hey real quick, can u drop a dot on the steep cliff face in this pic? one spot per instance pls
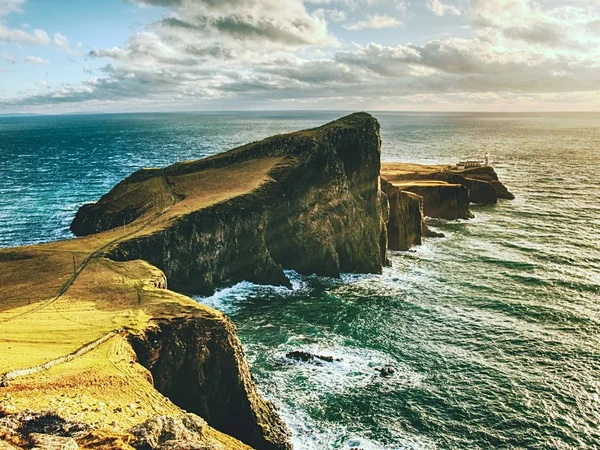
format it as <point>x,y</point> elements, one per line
<point>405,226</point>
<point>199,364</point>
<point>487,174</point>
<point>481,192</point>
<point>443,200</point>
<point>481,182</point>
<point>224,242</point>
<point>316,207</point>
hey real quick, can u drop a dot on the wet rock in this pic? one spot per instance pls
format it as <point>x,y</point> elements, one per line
<point>306,356</point>
<point>386,371</point>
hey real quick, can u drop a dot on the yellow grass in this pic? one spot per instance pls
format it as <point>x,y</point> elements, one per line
<point>55,298</point>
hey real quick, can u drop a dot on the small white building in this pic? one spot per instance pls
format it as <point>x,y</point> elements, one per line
<point>472,163</point>
<point>469,164</point>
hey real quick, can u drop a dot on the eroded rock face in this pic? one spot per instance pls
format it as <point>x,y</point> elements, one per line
<point>481,192</point>
<point>207,247</point>
<point>199,364</point>
<point>41,431</point>
<point>444,201</point>
<point>489,175</point>
<point>170,433</point>
<point>49,442</point>
<point>405,226</point>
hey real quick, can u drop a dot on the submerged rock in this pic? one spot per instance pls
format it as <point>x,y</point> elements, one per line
<point>386,371</point>
<point>299,355</point>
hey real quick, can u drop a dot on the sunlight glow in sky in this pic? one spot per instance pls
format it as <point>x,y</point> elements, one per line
<point>164,55</point>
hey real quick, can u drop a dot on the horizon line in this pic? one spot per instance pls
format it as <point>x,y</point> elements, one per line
<point>217,111</point>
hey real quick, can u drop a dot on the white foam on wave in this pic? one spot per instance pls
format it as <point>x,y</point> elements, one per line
<point>353,368</point>
<point>308,434</point>
<point>228,299</point>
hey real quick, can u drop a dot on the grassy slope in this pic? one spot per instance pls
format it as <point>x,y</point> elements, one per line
<point>404,175</point>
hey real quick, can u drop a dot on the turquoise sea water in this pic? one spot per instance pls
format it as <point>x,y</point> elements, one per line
<point>494,331</point>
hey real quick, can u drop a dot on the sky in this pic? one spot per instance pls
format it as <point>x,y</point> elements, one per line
<point>59,56</point>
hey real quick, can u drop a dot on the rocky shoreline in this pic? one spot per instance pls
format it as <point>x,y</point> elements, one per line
<point>315,201</point>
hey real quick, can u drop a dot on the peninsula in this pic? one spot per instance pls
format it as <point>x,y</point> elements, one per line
<point>101,349</point>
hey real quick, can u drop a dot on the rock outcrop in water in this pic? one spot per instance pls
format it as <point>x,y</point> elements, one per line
<point>416,191</point>
<point>314,207</point>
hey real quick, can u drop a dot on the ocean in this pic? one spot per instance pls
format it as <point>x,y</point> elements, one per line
<point>493,331</point>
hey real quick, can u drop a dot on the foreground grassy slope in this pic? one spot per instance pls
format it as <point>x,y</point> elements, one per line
<point>55,298</point>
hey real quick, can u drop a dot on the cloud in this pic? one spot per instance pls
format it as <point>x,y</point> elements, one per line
<point>17,36</point>
<point>36,37</point>
<point>525,20</point>
<point>21,36</point>
<point>10,6</point>
<point>375,22</point>
<point>61,42</point>
<point>36,60</point>
<point>264,52</point>
<point>441,9</point>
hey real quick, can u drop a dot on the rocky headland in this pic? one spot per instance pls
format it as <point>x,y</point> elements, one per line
<point>417,191</point>
<point>99,347</point>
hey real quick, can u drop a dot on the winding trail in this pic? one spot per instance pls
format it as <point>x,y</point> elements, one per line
<point>86,348</point>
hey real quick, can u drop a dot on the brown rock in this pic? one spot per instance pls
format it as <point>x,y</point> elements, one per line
<point>51,442</point>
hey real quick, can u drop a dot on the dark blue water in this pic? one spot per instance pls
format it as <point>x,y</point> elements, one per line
<point>493,331</point>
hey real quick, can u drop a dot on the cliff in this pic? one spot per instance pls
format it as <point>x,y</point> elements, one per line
<point>73,330</point>
<point>406,224</point>
<point>97,352</point>
<point>435,191</point>
<point>92,334</point>
<point>307,201</point>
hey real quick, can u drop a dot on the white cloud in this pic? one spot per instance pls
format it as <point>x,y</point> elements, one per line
<point>22,36</point>
<point>10,6</point>
<point>441,9</point>
<point>36,60</point>
<point>61,42</point>
<point>375,22</point>
<point>246,52</point>
<point>17,36</point>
